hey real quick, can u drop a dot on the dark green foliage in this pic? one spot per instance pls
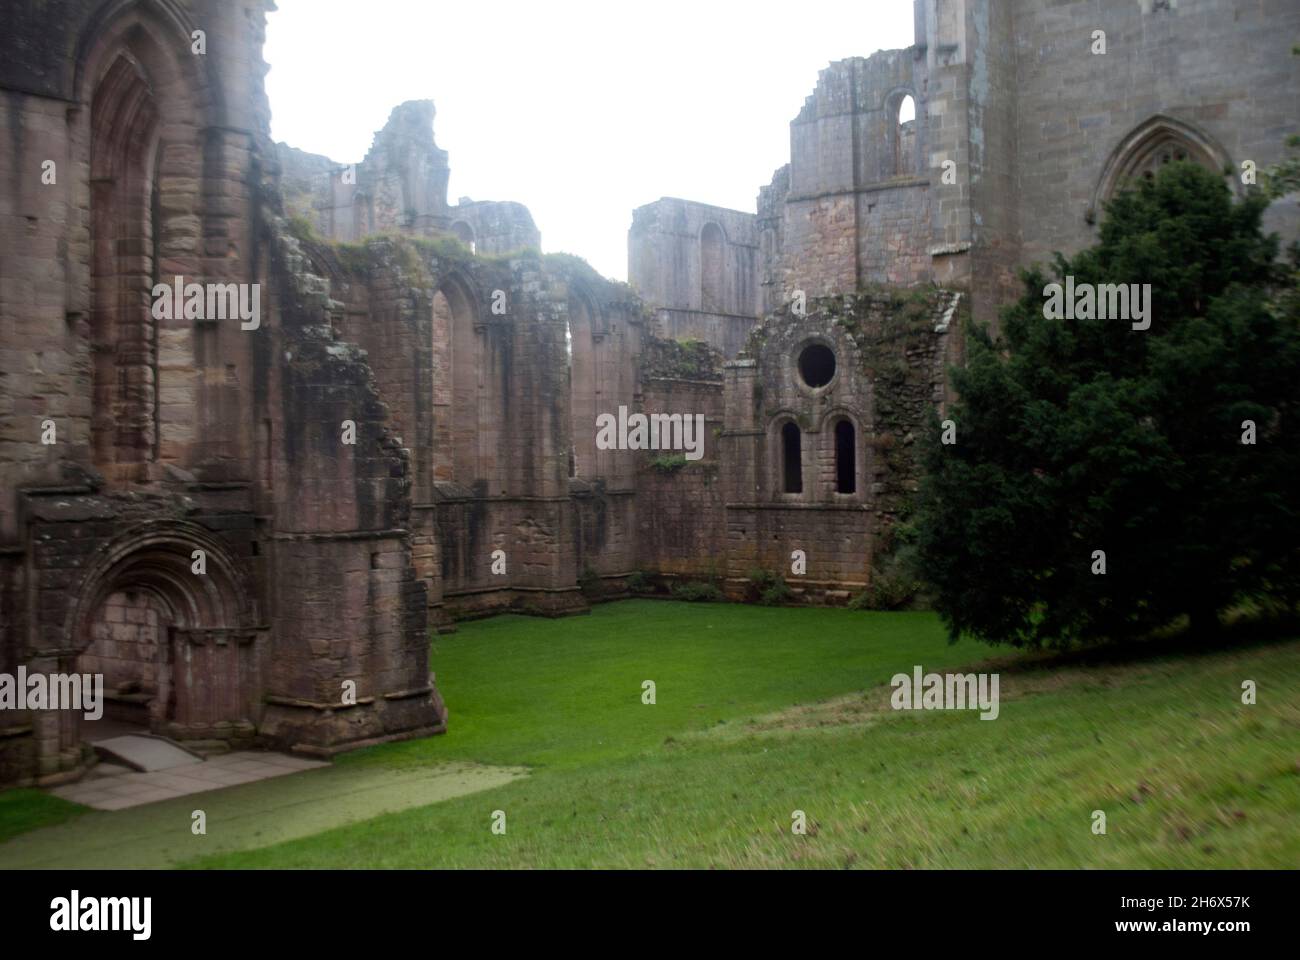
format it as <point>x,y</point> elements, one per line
<point>896,580</point>
<point>777,594</point>
<point>640,582</point>
<point>696,590</point>
<point>1081,435</point>
<point>589,583</point>
<point>301,228</point>
<point>767,587</point>
<point>444,247</point>
<point>668,462</point>
<point>703,589</point>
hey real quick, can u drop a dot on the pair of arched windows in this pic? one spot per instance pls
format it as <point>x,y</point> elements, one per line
<point>846,472</point>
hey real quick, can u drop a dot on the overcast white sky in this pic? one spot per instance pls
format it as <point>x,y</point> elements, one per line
<point>580,110</point>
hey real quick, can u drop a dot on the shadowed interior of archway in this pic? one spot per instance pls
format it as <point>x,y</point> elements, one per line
<point>126,631</point>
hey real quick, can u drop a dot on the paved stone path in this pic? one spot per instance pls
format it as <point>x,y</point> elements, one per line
<point>255,813</point>
<point>113,787</point>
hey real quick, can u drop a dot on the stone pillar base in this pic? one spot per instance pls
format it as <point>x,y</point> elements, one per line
<point>323,730</point>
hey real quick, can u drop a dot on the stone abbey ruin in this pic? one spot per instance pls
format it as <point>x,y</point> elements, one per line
<point>235,516</point>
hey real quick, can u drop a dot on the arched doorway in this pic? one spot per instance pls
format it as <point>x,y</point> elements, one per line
<point>128,646</point>
<point>163,619</point>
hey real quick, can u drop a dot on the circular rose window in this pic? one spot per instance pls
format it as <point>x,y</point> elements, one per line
<point>817,365</point>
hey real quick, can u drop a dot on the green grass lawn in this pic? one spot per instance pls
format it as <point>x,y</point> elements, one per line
<point>761,712</point>
<point>26,809</point>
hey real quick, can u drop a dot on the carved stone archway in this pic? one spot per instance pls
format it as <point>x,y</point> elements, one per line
<point>163,616</point>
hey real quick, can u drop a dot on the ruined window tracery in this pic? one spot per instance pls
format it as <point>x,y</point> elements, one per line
<point>1165,151</point>
<point>1149,147</point>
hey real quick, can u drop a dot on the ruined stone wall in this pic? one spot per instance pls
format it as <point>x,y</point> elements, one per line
<point>400,186</point>
<point>991,109</point>
<point>493,371</point>
<point>492,228</point>
<point>852,206</point>
<point>605,523</point>
<point>680,504</point>
<point>83,81</point>
<point>699,266</point>
<point>135,405</point>
<point>890,348</point>
<point>348,604</point>
<point>1224,69</point>
<point>770,224</point>
<point>171,435</point>
<point>1040,126</point>
<point>316,192</point>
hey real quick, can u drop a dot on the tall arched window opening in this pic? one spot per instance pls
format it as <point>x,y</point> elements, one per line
<point>123,222</point>
<point>465,234</point>
<point>845,458</point>
<point>791,459</point>
<point>584,393</point>
<point>905,137</point>
<point>711,265</point>
<point>456,391</point>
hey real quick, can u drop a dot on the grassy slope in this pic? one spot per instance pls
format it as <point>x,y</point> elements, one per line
<point>566,693</point>
<point>709,776</point>
<point>26,809</point>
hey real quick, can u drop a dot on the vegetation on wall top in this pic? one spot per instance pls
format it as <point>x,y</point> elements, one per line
<point>680,360</point>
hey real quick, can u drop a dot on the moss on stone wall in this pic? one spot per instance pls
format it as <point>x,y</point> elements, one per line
<point>680,360</point>
<point>900,336</point>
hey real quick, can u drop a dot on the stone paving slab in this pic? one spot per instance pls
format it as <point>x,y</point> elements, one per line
<point>146,753</point>
<point>135,789</point>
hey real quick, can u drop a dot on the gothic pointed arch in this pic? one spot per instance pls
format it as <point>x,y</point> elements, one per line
<point>1149,146</point>
<point>145,102</point>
